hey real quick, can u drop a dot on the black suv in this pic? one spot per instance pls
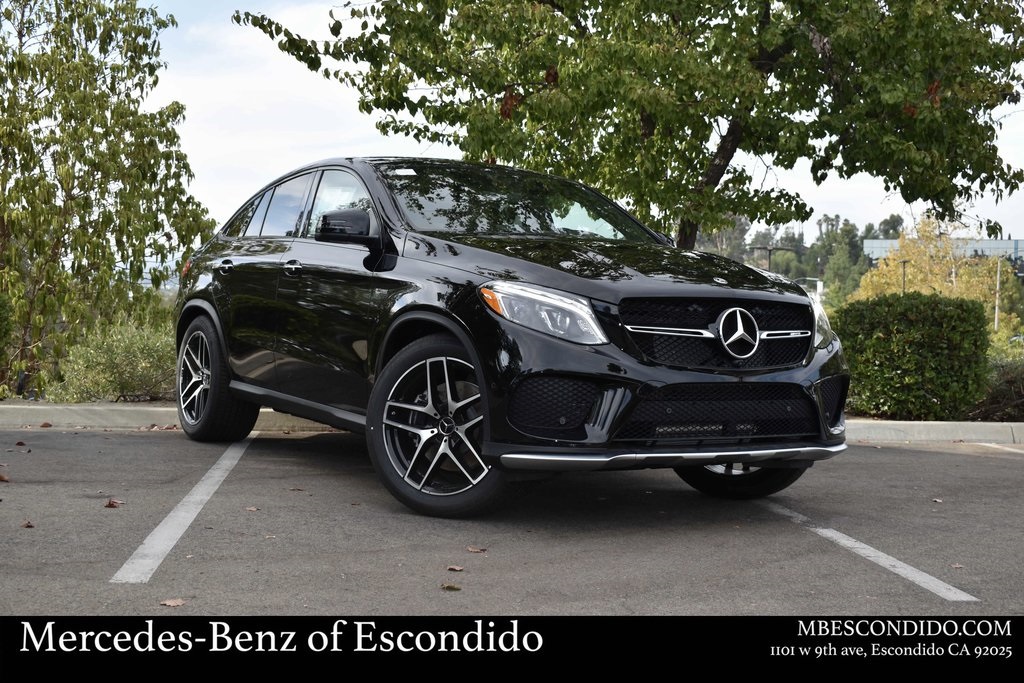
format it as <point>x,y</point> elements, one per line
<point>483,324</point>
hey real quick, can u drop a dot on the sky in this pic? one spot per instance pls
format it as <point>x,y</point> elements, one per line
<point>254,113</point>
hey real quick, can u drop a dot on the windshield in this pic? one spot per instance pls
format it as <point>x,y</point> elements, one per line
<point>443,196</point>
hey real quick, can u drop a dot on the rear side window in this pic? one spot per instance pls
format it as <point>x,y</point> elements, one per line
<point>285,208</point>
<point>238,223</point>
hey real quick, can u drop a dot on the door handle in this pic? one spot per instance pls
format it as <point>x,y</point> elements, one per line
<point>226,266</point>
<point>292,268</point>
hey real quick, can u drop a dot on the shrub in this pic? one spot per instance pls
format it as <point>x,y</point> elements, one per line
<point>1004,401</point>
<point>118,363</point>
<point>914,356</point>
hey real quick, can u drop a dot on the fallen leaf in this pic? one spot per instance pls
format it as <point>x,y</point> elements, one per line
<point>113,503</point>
<point>270,536</point>
<point>3,477</point>
<point>936,500</point>
<point>27,524</point>
<point>355,504</point>
<point>956,565</point>
<point>296,488</point>
<point>46,425</point>
<point>173,602</point>
<point>450,587</point>
<point>189,557</point>
<point>251,509</point>
<point>20,443</point>
<point>455,568</point>
<point>474,549</point>
<point>166,427</point>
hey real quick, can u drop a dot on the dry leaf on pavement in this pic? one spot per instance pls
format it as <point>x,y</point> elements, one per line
<point>113,503</point>
<point>27,524</point>
<point>455,568</point>
<point>173,602</point>
<point>474,549</point>
<point>450,587</point>
<point>251,508</point>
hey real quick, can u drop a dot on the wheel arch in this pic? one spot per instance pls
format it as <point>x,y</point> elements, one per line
<point>417,324</point>
<point>192,310</point>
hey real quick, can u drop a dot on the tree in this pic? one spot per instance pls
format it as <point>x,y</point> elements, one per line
<point>652,101</point>
<point>93,203</point>
<point>729,241</point>
<point>933,265</point>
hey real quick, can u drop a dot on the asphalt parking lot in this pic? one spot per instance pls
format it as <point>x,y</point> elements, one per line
<point>298,525</point>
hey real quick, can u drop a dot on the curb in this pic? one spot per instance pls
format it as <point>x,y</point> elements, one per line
<point>26,414</point>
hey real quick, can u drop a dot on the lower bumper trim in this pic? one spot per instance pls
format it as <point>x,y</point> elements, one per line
<point>566,462</point>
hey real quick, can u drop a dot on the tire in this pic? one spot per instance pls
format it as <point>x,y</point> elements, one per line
<point>207,411</point>
<point>738,481</point>
<point>424,426</point>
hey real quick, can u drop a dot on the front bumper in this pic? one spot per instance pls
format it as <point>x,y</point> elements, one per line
<point>565,462</point>
<point>612,420</point>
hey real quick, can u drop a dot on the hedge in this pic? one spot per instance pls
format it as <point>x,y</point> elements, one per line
<point>914,356</point>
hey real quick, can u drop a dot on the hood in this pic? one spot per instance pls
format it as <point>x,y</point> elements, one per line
<point>605,270</point>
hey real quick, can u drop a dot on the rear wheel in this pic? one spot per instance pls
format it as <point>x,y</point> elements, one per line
<point>739,480</point>
<point>425,424</point>
<point>207,411</point>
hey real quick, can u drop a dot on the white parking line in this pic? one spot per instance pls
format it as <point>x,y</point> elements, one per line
<point>148,556</point>
<point>926,581</point>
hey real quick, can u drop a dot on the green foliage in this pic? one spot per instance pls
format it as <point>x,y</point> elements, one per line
<point>1004,401</point>
<point>928,261</point>
<point>126,361</point>
<point>650,102</point>
<point>914,357</point>
<point>93,202</point>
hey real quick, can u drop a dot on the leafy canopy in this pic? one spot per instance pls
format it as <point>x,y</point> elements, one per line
<point>93,202</point>
<point>651,101</point>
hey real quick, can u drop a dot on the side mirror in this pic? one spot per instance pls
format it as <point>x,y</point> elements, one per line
<point>345,225</point>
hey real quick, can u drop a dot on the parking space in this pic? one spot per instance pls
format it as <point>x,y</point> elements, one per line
<point>299,525</point>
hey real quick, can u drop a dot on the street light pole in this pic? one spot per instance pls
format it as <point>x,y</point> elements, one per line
<point>999,273</point>
<point>904,263</point>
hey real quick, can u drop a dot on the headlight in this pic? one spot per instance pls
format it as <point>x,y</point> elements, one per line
<point>823,334</point>
<point>546,310</point>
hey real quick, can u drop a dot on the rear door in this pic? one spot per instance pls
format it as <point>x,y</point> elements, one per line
<point>246,272</point>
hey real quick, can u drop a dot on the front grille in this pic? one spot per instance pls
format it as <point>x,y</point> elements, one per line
<point>833,397</point>
<point>741,410</point>
<point>552,406</point>
<point>708,353</point>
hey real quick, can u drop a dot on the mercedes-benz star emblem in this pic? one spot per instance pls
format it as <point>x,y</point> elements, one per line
<point>738,332</point>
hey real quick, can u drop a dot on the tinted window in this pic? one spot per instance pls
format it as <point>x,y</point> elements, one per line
<point>337,190</point>
<point>495,200</point>
<point>257,218</point>
<point>285,207</point>
<point>236,226</point>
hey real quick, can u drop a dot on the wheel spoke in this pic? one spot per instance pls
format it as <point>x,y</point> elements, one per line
<point>426,410</point>
<point>467,474</point>
<point>195,394</point>
<point>461,431</point>
<point>442,450</point>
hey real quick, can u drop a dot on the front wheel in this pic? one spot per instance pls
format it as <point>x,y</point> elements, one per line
<point>425,424</point>
<point>739,481</point>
